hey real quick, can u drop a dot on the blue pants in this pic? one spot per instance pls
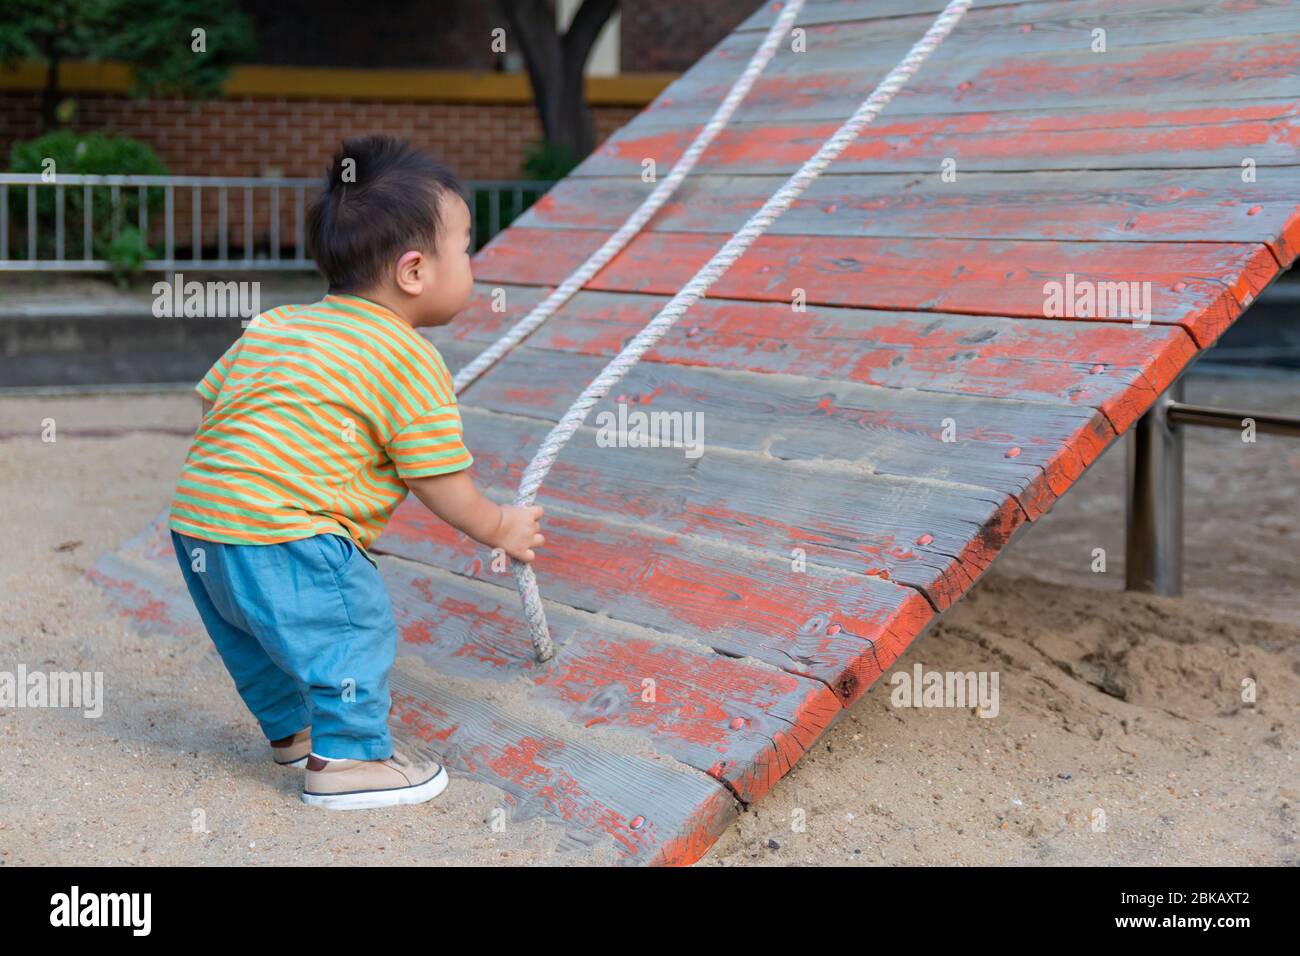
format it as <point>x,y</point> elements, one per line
<point>306,630</point>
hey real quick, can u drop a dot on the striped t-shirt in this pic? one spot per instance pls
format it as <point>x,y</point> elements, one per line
<point>319,412</point>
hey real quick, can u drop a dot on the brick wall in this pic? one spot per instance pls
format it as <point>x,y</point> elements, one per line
<point>256,136</point>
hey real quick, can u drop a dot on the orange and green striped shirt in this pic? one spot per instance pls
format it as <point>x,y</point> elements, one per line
<point>319,413</point>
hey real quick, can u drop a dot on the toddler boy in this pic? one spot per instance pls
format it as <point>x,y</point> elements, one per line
<point>316,423</point>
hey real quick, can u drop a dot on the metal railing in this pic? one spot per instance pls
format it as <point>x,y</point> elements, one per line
<point>488,204</point>
<point>192,214</point>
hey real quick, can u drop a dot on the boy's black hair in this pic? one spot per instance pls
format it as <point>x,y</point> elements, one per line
<point>381,197</point>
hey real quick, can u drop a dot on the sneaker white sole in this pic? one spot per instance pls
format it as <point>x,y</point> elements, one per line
<point>296,764</point>
<point>373,799</point>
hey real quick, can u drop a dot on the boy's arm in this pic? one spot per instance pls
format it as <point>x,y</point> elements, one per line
<point>454,498</point>
<point>209,387</point>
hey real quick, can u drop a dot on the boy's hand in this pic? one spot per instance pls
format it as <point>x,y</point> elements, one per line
<point>455,500</point>
<point>520,531</point>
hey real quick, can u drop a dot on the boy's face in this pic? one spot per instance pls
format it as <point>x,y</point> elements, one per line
<point>451,283</point>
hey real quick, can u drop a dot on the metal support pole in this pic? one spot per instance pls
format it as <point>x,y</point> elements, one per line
<point>1266,423</point>
<point>1153,552</point>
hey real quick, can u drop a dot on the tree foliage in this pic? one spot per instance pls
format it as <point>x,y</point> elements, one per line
<point>156,38</point>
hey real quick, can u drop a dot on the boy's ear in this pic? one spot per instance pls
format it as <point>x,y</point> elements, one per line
<point>414,272</point>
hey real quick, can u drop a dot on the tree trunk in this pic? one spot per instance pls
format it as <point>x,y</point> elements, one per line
<point>50,95</point>
<point>556,64</point>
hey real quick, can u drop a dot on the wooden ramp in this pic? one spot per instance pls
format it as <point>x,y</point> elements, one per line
<point>715,614</point>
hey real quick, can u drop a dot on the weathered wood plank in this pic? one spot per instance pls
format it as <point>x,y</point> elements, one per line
<point>1007,32</point>
<point>1019,448</point>
<point>1200,286</point>
<point>740,722</point>
<point>152,595</point>
<point>1204,135</point>
<point>831,11</point>
<point>885,12</point>
<point>845,518</point>
<point>835,626</point>
<point>1234,67</point>
<point>1121,206</point>
<point>646,811</point>
<point>1118,369</point>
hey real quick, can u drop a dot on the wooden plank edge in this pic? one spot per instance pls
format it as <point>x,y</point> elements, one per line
<point>536,769</point>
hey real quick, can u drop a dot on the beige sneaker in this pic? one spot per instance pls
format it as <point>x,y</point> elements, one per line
<point>292,751</point>
<point>365,784</point>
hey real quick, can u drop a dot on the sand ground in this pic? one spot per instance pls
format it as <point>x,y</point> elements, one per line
<point>1122,736</point>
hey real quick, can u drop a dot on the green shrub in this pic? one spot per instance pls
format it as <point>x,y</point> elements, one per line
<point>127,253</point>
<point>86,153</point>
<point>95,154</point>
<point>543,160</point>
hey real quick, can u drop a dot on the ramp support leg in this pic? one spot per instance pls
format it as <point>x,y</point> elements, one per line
<point>1153,552</point>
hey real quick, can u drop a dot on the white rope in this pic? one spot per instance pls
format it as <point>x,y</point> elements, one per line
<point>690,293</point>
<point>634,223</point>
